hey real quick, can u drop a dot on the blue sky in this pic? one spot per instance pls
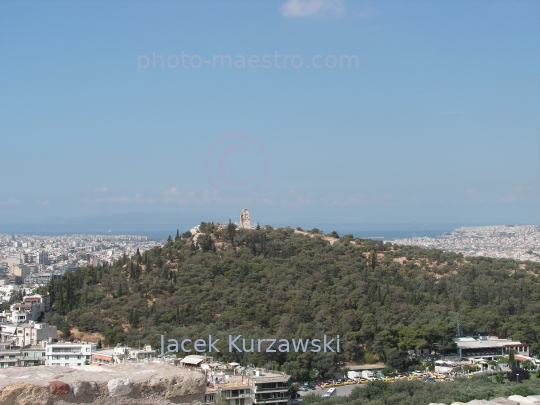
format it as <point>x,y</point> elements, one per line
<point>436,119</point>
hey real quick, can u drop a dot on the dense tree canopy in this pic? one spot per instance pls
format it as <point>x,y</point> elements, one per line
<point>381,299</point>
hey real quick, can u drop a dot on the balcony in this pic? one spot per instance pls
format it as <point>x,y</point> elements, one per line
<point>265,389</point>
<point>270,398</point>
<point>270,401</point>
<point>232,396</point>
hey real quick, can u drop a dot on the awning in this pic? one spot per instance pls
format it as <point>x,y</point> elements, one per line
<point>188,360</point>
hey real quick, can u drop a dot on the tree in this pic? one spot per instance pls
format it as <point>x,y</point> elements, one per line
<point>511,360</point>
<point>377,389</point>
<point>231,230</point>
<point>395,360</point>
<point>66,332</point>
<point>312,399</point>
<point>523,390</point>
<point>177,234</point>
<point>518,375</point>
<point>323,364</point>
<point>333,234</point>
<point>499,378</point>
<point>373,259</point>
<point>205,242</point>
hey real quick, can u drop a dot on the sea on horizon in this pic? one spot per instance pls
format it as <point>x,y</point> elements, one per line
<point>387,232</point>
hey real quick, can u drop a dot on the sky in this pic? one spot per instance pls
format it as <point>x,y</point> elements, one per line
<point>331,111</point>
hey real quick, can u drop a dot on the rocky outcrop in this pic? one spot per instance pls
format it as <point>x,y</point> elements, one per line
<point>58,388</point>
<point>126,384</point>
<point>119,387</point>
<point>512,400</point>
<point>82,388</point>
<point>176,386</point>
<point>25,394</point>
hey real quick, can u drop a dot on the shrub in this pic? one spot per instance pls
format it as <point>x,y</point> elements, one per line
<point>312,399</point>
<point>369,358</point>
<point>523,390</point>
<point>518,375</point>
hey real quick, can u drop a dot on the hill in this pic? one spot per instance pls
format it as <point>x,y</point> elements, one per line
<point>382,299</point>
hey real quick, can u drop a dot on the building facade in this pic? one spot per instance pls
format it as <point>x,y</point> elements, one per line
<point>252,386</point>
<point>487,347</point>
<point>69,354</point>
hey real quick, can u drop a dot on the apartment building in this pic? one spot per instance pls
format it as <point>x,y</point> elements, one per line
<point>8,356</point>
<point>252,386</point>
<point>123,354</point>
<point>11,356</point>
<point>69,354</point>
<point>27,333</point>
<point>43,302</point>
<point>270,388</point>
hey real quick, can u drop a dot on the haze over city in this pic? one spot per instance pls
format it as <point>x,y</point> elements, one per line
<point>361,111</point>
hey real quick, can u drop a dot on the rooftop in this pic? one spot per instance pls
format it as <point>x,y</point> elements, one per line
<point>484,342</point>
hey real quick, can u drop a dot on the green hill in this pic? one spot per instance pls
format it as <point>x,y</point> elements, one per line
<point>382,299</point>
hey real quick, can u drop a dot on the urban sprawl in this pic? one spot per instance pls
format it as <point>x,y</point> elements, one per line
<point>519,242</point>
<point>29,262</point>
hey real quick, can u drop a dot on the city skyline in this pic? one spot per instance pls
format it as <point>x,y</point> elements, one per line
<point>302,111</point>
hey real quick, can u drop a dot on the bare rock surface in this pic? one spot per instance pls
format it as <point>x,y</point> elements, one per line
<point>138,384</point>
<point>119,387</point>
<point>504,401</point>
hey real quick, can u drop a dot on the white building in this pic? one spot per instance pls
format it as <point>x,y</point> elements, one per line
<point>254,386</point>
<point>487,347</point>
<point>16,357</point>
<point>122,354</point>
<point>69,354</point>
<point>43,302</point>
<point>24,334</point>
<point>23,313</point>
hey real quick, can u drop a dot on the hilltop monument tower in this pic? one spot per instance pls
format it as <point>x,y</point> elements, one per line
<point>245,222</point>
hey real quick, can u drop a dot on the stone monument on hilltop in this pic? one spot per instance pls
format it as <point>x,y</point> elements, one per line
<point>245,222</point>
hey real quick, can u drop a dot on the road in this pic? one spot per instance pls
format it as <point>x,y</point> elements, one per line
<point>341,391</point>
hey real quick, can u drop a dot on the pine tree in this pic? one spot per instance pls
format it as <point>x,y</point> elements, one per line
<point>230,232</point>
<point>177,234</point>
<point>373,258</point>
